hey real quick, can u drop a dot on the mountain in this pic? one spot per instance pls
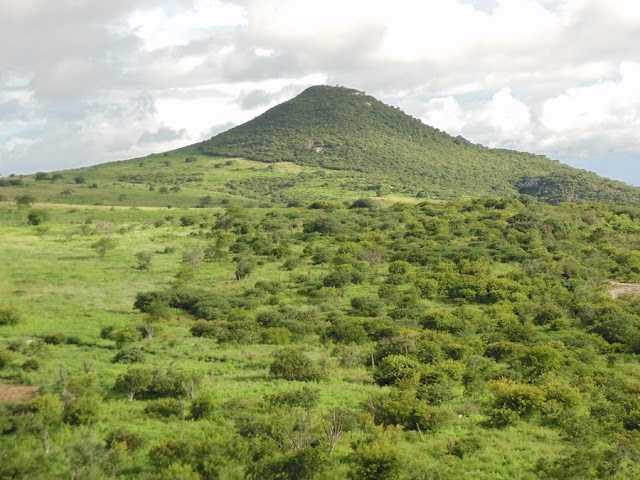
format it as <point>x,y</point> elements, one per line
<point>344,129</point>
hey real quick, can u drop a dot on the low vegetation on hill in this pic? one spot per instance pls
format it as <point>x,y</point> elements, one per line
<point>326,339</point>
<point>343,129</point>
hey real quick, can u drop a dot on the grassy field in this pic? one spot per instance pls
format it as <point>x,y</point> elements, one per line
<point>489,306</point>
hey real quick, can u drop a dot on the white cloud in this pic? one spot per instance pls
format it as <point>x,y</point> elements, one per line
<point>553,76</point>
<point>444,113</point>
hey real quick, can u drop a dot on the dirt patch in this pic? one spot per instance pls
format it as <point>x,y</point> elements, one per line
<point>17,393</point>
<point>618,289</point>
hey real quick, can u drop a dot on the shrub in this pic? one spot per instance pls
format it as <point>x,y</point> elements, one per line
<point>513,401</point>
<point>203,407</point>
<point>347,331</point>
<point>83,410</point>
<point>9,316</point>
<point>374,459</point>
<point>395,368</point>
<point>25,200</point>
<point>30,365</point>
<point>104,245</point>
<point>129,355</point>
<point>204,328</point>
<point>169,408</point>
<point>305,397</point>
<point>36,217</point>
<point>54,338</point>
<point>367,306</point>
<point>5,358</point>
<point>131,440</point>
<point>363,203</point>
<point>79,180</point>
<point>293,364</point>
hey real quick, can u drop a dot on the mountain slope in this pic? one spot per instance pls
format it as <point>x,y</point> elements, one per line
<point>344,129</point>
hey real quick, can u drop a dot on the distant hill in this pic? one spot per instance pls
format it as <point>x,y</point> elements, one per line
<point>343,129</point>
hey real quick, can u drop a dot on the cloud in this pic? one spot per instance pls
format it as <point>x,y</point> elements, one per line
<point>552,76</point>
<point>161,135</point>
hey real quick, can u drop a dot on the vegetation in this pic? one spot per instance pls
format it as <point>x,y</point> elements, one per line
<point>339,128</point>
<point>208,317</point>
<point>407,341</point>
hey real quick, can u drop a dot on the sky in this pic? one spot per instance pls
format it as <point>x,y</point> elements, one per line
<point>90,81</point>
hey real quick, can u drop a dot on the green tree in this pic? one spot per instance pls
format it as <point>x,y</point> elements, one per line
<point>45,413</point>
<point>134,381</point>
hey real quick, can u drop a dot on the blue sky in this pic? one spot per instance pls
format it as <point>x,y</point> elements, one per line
<point>120,79</point>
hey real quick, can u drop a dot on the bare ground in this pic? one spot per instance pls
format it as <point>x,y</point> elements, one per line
<point>618,289</point>
<point>17,393</point>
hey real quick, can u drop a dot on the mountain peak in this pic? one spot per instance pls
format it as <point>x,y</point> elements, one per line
<point>340,128</point>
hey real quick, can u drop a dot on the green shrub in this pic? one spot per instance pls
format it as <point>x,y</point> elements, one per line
<point>36,217</point>
<point>130,439</point>
<point>305,397</point>
<point>367,306</point>
<point>30,365</point>
<point>129,355</point>
<point>54,338</point>
<point>83,410</point>
<point>293,364</point>
<point>167,408</point>
<point>395,368</point>
<point>9,316</point>
<point>204,407</point>
<point>5,358</point>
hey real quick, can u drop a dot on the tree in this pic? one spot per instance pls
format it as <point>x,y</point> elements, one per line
<point>46,414</point>
<point>134,381</point>
<point>244,268</point>
<point>104,245</point>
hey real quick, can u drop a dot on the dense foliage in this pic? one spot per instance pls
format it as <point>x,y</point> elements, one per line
<point>440,340</point>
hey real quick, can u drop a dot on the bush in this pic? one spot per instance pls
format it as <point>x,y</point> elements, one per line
<point>375,459</point>
<point>293,364</point>
<point>204,328</point>
<point>395,368</point>
<point>305,397</point>
<point>131,440</point>
<point>36,217</point>
<point>367,306</point>
<point>129,355</point>
<point>9,316</point>
<point>30,365</point>
<point>83,410</point>
<point>54,338</point>
<point>347,331</point>
<point>5,358</point>
<point>169,408</point>
<point>203,407</point>
<point>25,200</point>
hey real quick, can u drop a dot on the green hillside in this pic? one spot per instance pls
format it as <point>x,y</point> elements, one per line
<point>343,129</point>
